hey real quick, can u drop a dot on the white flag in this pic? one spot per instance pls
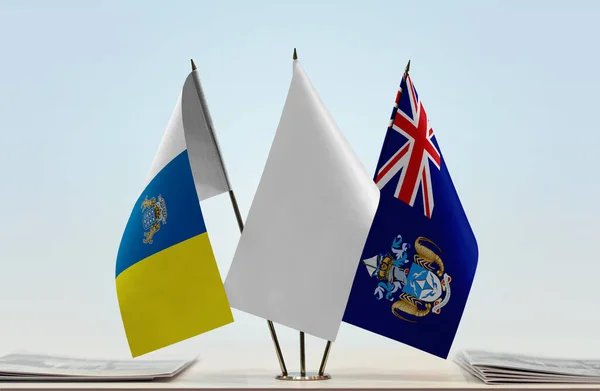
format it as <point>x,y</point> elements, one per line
<point>191,127</point>
<point>307,225</point>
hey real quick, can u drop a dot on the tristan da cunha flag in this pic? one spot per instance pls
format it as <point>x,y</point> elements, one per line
<point>419,260</point>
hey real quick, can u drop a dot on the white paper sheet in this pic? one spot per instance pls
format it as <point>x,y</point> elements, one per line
<point>42,367</point>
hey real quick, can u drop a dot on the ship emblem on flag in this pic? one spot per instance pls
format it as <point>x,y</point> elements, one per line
<point>413,157</point>
<point>417,286</point>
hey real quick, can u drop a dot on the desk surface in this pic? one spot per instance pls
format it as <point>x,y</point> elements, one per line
<point>350,369</point>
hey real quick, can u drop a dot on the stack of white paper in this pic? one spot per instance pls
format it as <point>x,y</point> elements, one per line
<point>31,367</point>
<point>498,368</point>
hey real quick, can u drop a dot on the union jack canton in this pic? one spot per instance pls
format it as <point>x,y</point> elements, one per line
<point>414,155</point>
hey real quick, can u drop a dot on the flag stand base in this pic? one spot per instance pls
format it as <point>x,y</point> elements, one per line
<point>303,375</point>
<point>299,377</point>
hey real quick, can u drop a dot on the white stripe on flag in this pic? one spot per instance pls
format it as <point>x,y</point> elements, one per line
<point>188,129</point>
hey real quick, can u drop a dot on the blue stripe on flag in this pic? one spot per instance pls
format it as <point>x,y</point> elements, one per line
<point>184,220</point>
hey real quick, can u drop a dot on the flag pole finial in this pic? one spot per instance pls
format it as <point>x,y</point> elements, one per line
<point>407,67</point>
<point>193,65</point>
<point>295,54</point>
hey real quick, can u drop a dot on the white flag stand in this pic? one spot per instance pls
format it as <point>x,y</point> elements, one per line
<point>310,169</point>
<point>303,375</point>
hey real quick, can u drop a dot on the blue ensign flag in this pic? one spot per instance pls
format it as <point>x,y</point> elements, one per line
<point>419,260</point>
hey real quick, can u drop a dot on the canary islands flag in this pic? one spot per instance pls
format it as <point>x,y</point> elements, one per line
<point>419,261</point>
<point>168,285</point>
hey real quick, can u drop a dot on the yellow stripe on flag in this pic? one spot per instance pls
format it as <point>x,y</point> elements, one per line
<point>172,295</point>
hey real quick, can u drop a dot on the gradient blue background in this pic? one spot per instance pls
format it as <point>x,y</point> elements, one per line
<point>86,91</point>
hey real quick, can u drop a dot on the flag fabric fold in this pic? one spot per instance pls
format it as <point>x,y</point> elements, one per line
<point>420,258</point>
<point>308,222</point>
<point>168,284</point>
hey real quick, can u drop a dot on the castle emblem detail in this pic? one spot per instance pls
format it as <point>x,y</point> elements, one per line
<point>154,214</point>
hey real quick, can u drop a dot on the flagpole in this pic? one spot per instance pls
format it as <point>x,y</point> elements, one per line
<point>321,373</point>
<point>234,203</point>
<point>302,356</point>
<point>302,344</point>
<point>324,359</point>
<point>303,375</point>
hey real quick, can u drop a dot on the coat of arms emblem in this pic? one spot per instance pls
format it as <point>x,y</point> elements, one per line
<point>154,213</point>
<point>416,287</point>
